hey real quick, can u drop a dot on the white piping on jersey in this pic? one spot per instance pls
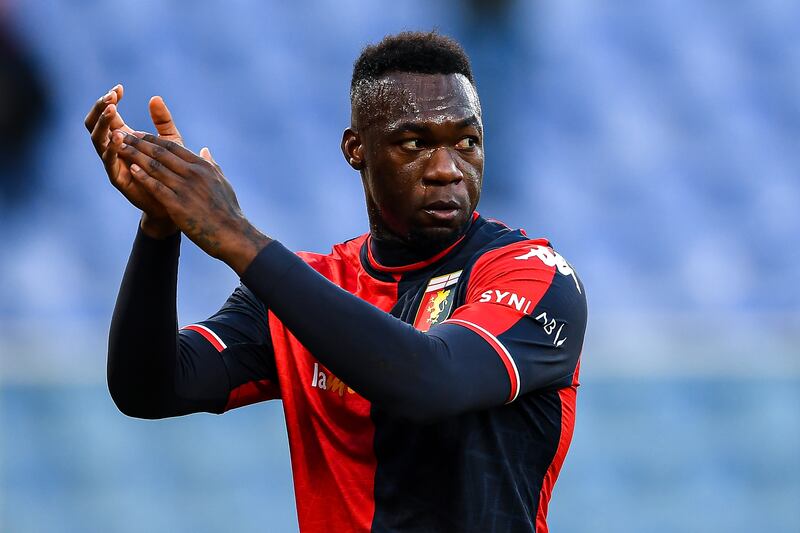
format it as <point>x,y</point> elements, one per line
<point>207,330</point>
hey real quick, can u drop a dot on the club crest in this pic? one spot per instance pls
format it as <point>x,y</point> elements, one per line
<point>437,302</point>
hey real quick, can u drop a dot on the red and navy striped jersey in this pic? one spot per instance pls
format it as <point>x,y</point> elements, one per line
<point>357,466</point>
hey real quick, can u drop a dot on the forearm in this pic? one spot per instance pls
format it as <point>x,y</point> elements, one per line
<point>144,356</point>
<point>387,361</point>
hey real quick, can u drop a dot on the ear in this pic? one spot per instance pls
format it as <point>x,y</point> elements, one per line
<point>353,149</point>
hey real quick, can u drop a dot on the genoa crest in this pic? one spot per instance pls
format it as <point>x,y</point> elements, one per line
<point>437,302</point>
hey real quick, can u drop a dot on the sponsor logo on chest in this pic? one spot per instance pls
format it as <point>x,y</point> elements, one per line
<point>326,381</point>
<point>437,302</point>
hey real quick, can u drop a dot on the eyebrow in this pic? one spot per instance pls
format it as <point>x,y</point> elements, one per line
<point>420,128</point>
<point>469,121</point>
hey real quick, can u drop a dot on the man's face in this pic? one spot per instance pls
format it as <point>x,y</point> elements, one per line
<point>422,169</point>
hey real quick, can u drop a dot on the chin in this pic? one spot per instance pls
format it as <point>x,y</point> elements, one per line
<point>435,237</point>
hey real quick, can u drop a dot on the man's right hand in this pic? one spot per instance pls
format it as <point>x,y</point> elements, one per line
<point>104,117</point>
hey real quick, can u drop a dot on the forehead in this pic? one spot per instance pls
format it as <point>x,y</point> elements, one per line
<point>404,96</point>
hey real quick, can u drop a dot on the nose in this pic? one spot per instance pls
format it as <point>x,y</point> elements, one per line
<point>441,168</point>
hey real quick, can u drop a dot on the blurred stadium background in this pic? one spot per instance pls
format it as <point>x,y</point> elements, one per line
<point>656,143</point>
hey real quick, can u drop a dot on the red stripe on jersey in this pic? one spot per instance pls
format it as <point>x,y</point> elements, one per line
<point>567,396</point>
<point>496,278</point>
<point>505,356</point>
<point>252,392</point>
<point>331,433</point>
<point>575,382</point>
<point>209,335</point>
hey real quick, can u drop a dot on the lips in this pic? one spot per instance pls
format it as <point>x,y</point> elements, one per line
<point>443,210</point>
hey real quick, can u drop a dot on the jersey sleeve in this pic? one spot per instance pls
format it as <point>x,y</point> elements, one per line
<point>238,335</point>
<point>527,303</point>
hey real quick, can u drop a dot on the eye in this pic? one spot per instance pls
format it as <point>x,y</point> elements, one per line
<point>412,144</point>
<point>467,143</point>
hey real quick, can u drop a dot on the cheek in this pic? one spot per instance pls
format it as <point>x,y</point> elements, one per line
<point>399,177</point>
<point>472,169</point>
<point>474,191</point>
<point>394,187</point>
<point>404,191</point>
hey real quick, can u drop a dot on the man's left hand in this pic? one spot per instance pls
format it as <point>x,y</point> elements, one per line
<point>196,194</point>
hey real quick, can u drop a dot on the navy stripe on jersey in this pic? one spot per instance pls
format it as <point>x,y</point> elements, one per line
<point>484,470</point>
<point>476,472</point>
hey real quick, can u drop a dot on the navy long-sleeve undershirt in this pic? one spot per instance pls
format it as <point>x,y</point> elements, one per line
<point>397,367</point>
<point>153,372</point>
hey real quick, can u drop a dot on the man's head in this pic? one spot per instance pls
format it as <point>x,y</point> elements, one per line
<point>416,137</point>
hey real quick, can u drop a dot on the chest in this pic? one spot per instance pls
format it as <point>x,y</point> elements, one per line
<point>424,301</point>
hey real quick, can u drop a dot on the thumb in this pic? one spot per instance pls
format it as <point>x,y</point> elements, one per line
<point>205,153</point>
<point>162,120</point>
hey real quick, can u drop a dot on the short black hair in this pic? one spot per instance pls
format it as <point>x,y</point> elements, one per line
<point>410,51</point>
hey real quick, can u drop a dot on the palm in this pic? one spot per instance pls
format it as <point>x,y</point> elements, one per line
<point>102,120</point>
<point>133,190</point>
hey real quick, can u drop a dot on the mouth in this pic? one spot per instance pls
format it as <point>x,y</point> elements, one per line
<point>443,210</point>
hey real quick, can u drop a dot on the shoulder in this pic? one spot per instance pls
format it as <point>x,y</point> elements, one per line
<point>343,257</point>
<point>524,253</point>
<point>522,260</point>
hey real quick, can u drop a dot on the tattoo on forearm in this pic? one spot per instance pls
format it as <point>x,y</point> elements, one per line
<point>256,238</point>
<point>205,235</point>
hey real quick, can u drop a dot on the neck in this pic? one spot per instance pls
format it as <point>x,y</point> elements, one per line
<point>393,252</point>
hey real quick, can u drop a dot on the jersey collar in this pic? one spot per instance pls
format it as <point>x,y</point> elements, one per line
<point>419,264</point>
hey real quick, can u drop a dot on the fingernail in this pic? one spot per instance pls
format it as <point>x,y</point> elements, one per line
<point>107,97</point>
<point>135,168</point>
<point>139,134</point>
<point>122,146</point>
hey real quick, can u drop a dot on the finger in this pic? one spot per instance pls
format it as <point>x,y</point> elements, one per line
<point>173,147</point>
<point>97,110</point>
<point>115,94</point>
<point>116,122</point>
<point>160,150</point>
<point>101,129</point>
<point>162,119</point>
<point>162,193</point>
<point>110,159</point>
<point>157,160</point>
<point>205,153</point>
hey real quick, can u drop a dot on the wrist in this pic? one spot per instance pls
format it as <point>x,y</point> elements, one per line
<point>157,228</point>
<point>243,248</point>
